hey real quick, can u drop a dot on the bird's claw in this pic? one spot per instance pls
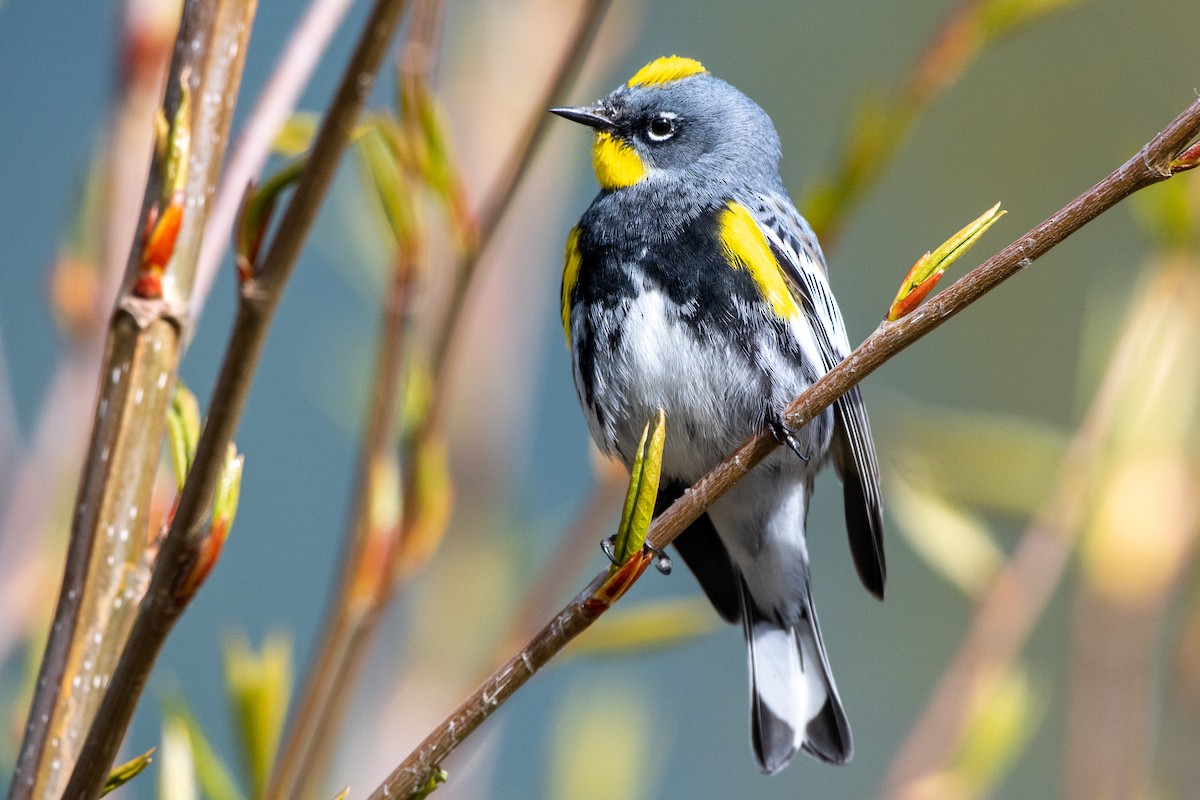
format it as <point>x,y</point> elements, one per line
<point>662,561</point>
<point>609,545</point>
<point>783,435</point>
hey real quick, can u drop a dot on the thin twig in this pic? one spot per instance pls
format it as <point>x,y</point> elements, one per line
<point>1150,165</point>
<point>358,602</point>
<point>110,552</point>
<point>352,619</point>
<point>879,129</point>
<point>566,560</point>
<point>276,103</point>
<point>499,197</point>
<point>1019,594</point>
<point>257,301</point>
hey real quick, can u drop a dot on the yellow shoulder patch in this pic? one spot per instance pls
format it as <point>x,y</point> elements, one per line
<point>572,261</point>
<point>665,70</point>
<point>615,163</point>
<point>745,247</point>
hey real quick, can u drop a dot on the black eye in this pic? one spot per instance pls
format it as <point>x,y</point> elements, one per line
<point>662,127</point>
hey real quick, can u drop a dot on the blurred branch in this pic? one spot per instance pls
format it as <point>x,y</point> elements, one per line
<point>1150,165</point>
<point>110,552</point>
<point>276,103</point>
<point>568,556</point>
<point>516,165</point>
<point>1137,541</point>
<point>1018,596</point>
<point>371,568</point>
<point>42,481</point>
<point>882,121</point>
<point>257,300</point>
<point>370,543</point>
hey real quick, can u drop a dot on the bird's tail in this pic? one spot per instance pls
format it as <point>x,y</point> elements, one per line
<point>793,700</point>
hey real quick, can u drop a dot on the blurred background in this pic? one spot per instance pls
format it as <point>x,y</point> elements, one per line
<point>1058,413</point>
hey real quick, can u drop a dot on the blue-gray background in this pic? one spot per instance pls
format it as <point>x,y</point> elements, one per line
<point>1038,118</point>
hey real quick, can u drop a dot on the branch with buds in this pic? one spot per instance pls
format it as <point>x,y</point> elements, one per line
<point>1170,152</point>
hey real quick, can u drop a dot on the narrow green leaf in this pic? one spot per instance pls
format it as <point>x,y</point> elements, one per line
<point>1005,719</point>
<point>924,274</point>
<point>259,686</point>
<point>215,779</point>
<point>604,742</point>
<point>654,625</point>
<point>126,772</point>
<point>229,489</point>
<point>255,214</point>
<point>954,542</point>
<point>1001,17</point>
<point>957,245</point>
<point>380,145</point>
<point>176,767</point>
<point>643,491</point>
<point>183,431</point>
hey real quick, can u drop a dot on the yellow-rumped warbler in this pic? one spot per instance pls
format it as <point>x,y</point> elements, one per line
<point>693,285</point>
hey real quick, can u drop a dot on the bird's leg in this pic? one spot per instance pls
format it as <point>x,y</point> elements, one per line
<point>608,545</point>
<point>662,561</point>
<point>783,434</point>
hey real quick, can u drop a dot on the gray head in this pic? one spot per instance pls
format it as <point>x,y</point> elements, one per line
<point>674,120</point>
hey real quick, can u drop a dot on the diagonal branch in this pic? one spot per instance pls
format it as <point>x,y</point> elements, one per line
<point>1152,164</point>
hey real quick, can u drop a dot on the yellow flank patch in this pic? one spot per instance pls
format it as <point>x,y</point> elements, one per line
<point>615,163</point>
<point>572,262</point>
<point>665,70</point>
<point>746,247</point>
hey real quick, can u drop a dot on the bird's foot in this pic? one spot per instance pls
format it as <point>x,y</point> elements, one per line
<point>662,561</point>
<point>783,435</point>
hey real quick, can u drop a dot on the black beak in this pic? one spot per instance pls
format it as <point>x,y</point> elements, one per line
<point>593,117</point>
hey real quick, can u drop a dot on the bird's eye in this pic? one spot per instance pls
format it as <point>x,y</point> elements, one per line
<point>662,127</point>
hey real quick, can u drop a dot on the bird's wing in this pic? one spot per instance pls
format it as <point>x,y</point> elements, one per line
<point>795,248</point>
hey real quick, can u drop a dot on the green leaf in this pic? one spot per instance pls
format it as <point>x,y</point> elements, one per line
<point>183,431</point>
<point>437,777</point>
<point>1002,723</point>
<point>603,743</point>
<point>996,463</point>
<point>255,214</point>
<point>259,686</point>
<point>229,490</point>
<point>642,493</point>
<point>1168,214</point>
<point>647,626</point>
<point>929,267</point>
<point>955,543</point>
<point>297,133</point>
<point>1000,17</point>
<point>379,146</point>
<point>177,768</point>
<point>126,772</point>
<point>203,764</point>
<point>179,140</point>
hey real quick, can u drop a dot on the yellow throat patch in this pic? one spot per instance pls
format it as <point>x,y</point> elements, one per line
<point>745,247</point>
<point>615,163</point>
<point>665,70</point>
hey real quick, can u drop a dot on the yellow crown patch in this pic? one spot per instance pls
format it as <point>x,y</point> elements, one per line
<point>665,70</point>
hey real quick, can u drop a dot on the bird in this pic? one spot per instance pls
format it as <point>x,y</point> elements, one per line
<point>692,285</point>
